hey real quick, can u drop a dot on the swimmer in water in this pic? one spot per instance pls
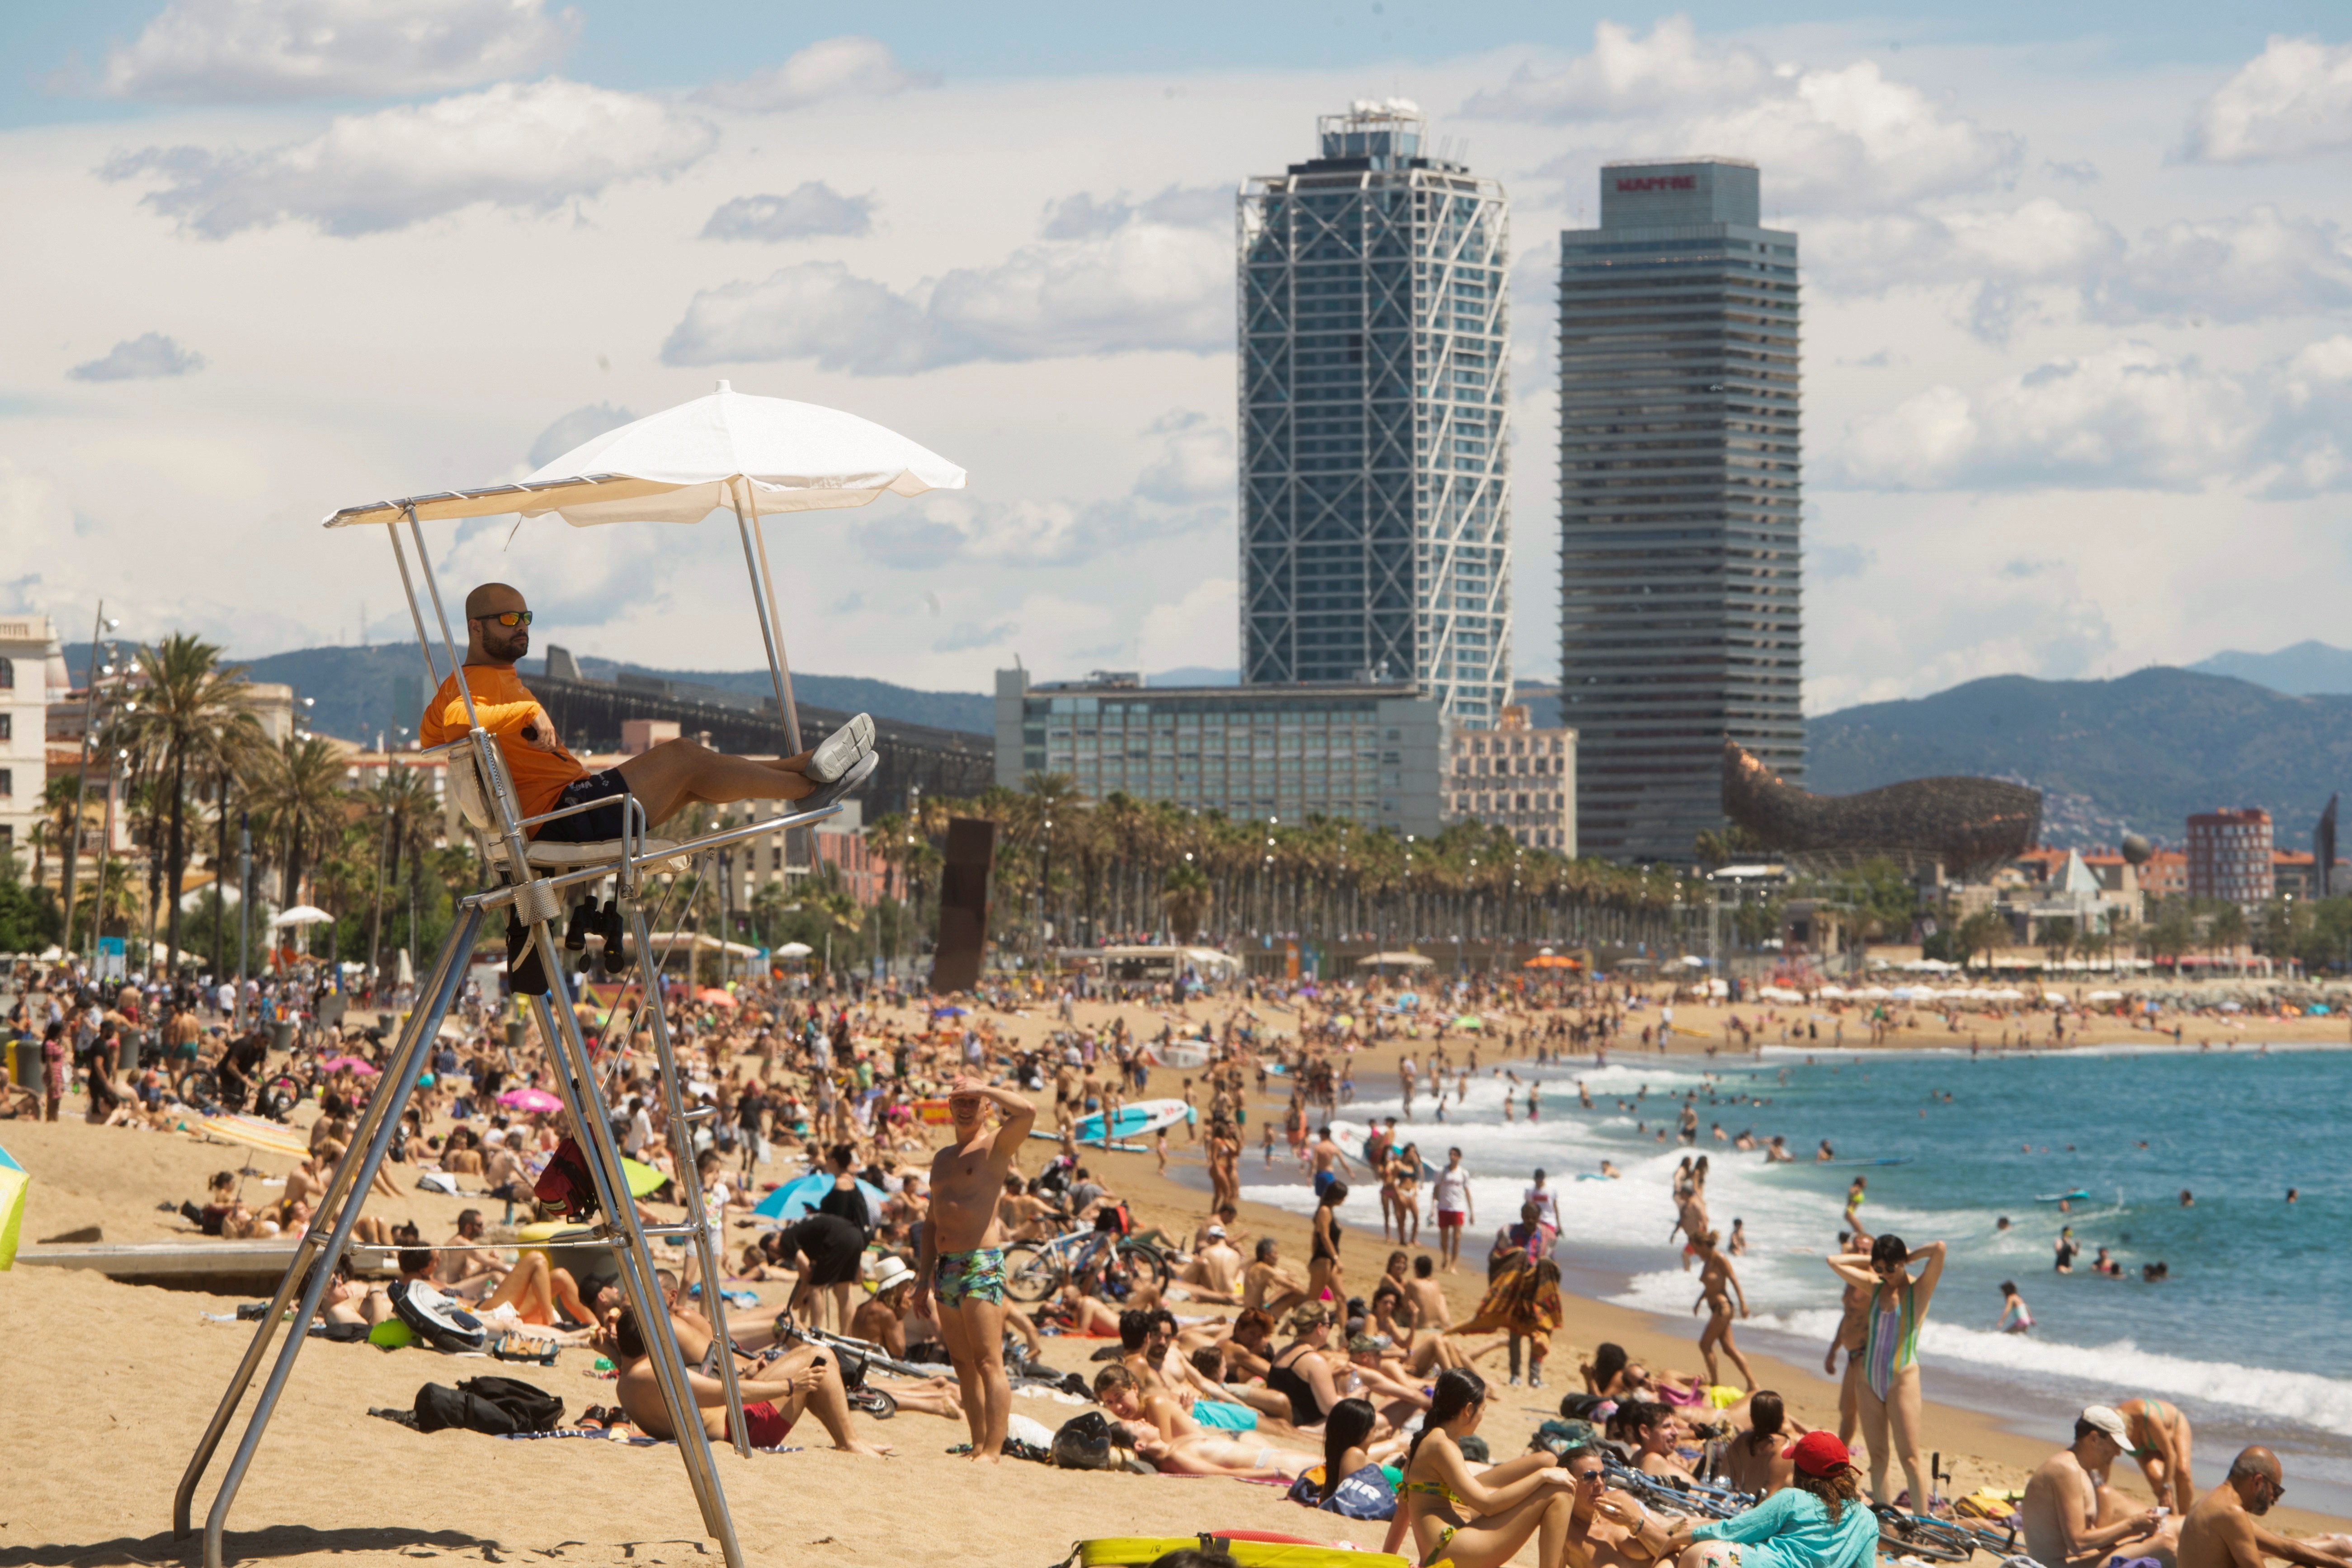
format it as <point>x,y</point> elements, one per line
<point>2015,1317</point>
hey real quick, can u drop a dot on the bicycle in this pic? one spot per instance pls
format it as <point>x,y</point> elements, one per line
<point>1905,1534</point>
<point>1676,1494</point>
<point>1035,1270</point>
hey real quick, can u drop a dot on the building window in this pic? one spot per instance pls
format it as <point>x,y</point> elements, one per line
<point>7,781</point>
<point>7,726</point>
<point>7,675</point>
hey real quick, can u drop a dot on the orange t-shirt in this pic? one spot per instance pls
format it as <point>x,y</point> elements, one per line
<point>540,771</point>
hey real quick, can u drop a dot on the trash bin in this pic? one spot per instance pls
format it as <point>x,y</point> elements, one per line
<point>25,1062</point>
<point>281,1036</point>
<point>514,1036</point>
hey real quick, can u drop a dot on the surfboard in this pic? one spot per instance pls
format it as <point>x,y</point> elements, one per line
<point>1136,1118</point>
<point>2077,1195</point>
<point>1180,1054</point>
<point>1899,1160</point>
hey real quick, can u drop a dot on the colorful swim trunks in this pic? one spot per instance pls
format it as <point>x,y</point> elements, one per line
<point>958,1277</point>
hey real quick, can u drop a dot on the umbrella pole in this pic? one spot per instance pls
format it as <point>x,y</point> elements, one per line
<point>681,1150</point>
<point>763,600</point>
<point>316,1260</point>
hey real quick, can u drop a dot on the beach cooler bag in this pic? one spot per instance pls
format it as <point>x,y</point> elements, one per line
<point>1250,1548</point>
<point>1084,1443</point>
<point>436,1319</point>
<point>1366,1493</point>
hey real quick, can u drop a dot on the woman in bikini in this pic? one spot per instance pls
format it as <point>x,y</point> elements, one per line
<point>1323,1275</point>
<point>1889,1393</point>
<point>1715,1273</point>
<point>1405,1181</point>
<point>2160,1444</point>
<point>1477,1521</point>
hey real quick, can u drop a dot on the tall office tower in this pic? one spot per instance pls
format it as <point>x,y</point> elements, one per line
<point>1680,614</point>
<point>1376,493</point>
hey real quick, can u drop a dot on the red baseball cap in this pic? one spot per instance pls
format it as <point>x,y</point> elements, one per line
<point>1819,1454</point>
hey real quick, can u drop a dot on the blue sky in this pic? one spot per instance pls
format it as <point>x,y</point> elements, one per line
<point>2078,372</point>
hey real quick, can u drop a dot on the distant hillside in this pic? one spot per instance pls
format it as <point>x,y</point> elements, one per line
<point>364,691</point>
<point>2141,751</point>
<point>2307,668</point>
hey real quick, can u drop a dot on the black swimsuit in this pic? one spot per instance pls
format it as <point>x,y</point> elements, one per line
<point>1283,1379</point>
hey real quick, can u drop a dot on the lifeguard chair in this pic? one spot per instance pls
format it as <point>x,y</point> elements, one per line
<point>755,456</point>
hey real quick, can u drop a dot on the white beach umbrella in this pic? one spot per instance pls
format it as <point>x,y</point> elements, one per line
<point>302,915</point>
<point>727,449</point>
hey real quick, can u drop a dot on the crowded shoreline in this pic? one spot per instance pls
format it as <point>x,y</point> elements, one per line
<point>1976,1452</point>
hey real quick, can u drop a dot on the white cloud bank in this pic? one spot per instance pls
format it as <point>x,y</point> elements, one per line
<point>529,147</point>
<point>1143,286</point>
<point>2293,100</point>
<point>811,210</point>
<point>2129,417</point>
<point>245,51</point>
<point>1835,140</point>
<point>834,68</point>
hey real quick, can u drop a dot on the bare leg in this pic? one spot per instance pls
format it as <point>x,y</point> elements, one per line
<point>974,1333</point>
<point>1904,1423</point>
<point>1874,1434</point>
<point>682,773</point>
<point>1849,1402</point>
<point>528,1289</point>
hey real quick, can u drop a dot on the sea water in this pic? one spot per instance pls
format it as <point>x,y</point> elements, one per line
<point>2252,1333</point>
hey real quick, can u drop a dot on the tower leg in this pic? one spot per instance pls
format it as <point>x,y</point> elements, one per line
<point>577,1076</point>
<point>681,1147</point>
<point>352,1178</point>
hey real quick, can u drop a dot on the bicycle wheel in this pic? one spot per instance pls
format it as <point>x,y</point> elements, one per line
<point>1031,1273</point>
<point>874,1402</point>
<point>1135,1255</point>
<point>1913,1535</point>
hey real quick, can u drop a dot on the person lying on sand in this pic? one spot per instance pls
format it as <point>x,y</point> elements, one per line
<point>798,1381</point>
<point>1173,1441</point>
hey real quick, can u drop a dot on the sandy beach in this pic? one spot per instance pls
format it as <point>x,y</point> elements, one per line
<point>109,1385</point>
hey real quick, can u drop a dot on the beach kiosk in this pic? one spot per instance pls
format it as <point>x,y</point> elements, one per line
<point>728,452</point>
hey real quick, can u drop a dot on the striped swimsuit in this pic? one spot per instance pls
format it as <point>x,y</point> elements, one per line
<point>1894,1342</point>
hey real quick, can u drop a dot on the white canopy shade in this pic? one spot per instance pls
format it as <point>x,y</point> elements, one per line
<point>302,915</point>
<point>767,454</point>
<point>794,950</point>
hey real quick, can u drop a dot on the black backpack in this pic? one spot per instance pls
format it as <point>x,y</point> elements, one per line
<point>1084,1443</point>
<point>495,1406</point>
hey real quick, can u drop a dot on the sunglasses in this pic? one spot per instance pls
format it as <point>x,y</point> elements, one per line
<point>510,618</point>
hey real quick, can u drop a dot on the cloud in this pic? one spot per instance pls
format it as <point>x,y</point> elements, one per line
<point>1829,140</point>
<point>2047,257</point>
<point>2126,418</point>
<point>247,51</point>
<point>1194,466</point>
<point>531,147</point>
<point>583,424</point>
<point>1144,287</point>
<point>1081,217</point>
<point>964,637</point>
<point>1196,463</point>
<point>812,209</point>
<point>2292,100</point>
<point>142,358</point>
<point>1828,562</point>
<point>847,67</point>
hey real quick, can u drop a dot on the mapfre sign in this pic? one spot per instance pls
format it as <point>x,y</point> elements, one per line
<point>1634,185</point>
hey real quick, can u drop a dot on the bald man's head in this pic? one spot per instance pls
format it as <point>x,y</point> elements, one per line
<point>2259,1481</point>
<point>488,641</point>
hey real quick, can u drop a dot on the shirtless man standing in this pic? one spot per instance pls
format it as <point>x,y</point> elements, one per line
<point>960,1258</point>
<point>2060,1509</point>
<point>2221,1530</point>
<point>1848,1337</point>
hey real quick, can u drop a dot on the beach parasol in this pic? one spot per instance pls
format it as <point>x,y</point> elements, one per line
<point>302,915</point>
<point>1468,1021</point>
<point>794,950</point>
<point>529,1101</point>
<point>255,1132</point>
<point>716,997</point>
<point>793,1199</point>
<point>949,1012</point>
<point>12,1183</point>
<point>359,1065</point>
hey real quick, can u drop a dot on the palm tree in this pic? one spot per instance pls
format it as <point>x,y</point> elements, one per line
<point>404,810</point>
<point>192,715</point>
<point>1184,894</point>
<point>300,792</point>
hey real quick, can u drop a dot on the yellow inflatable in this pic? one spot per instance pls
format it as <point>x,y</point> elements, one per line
<point>1277,1552</point>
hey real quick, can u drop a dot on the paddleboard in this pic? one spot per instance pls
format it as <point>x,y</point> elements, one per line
<point>1135,1119</point>
<point>2075,1196</point>
<point>1180,1054</point>
<point>1902,1160</point>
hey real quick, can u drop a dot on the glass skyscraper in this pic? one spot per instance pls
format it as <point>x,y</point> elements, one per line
<point>1681,620</point>
<point>1375,472</point>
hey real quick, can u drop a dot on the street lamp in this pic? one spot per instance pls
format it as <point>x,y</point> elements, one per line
<point>100,627</point>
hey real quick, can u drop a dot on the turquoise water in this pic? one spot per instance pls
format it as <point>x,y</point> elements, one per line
<point>2252,1333</point>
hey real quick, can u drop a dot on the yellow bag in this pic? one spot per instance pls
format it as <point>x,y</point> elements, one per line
<point>1139,1551</point>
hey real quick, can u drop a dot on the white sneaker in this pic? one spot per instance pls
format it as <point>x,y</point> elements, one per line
<point>836,753</point>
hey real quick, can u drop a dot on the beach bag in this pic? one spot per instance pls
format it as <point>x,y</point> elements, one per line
<point>1112,1219</point>
<point>494,1406</point>
<point>1557,1437</point>
<point>436,1319</point>
<point>565,1186</point>
<point>1084,1443</point>
<point>1363,1494</point>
